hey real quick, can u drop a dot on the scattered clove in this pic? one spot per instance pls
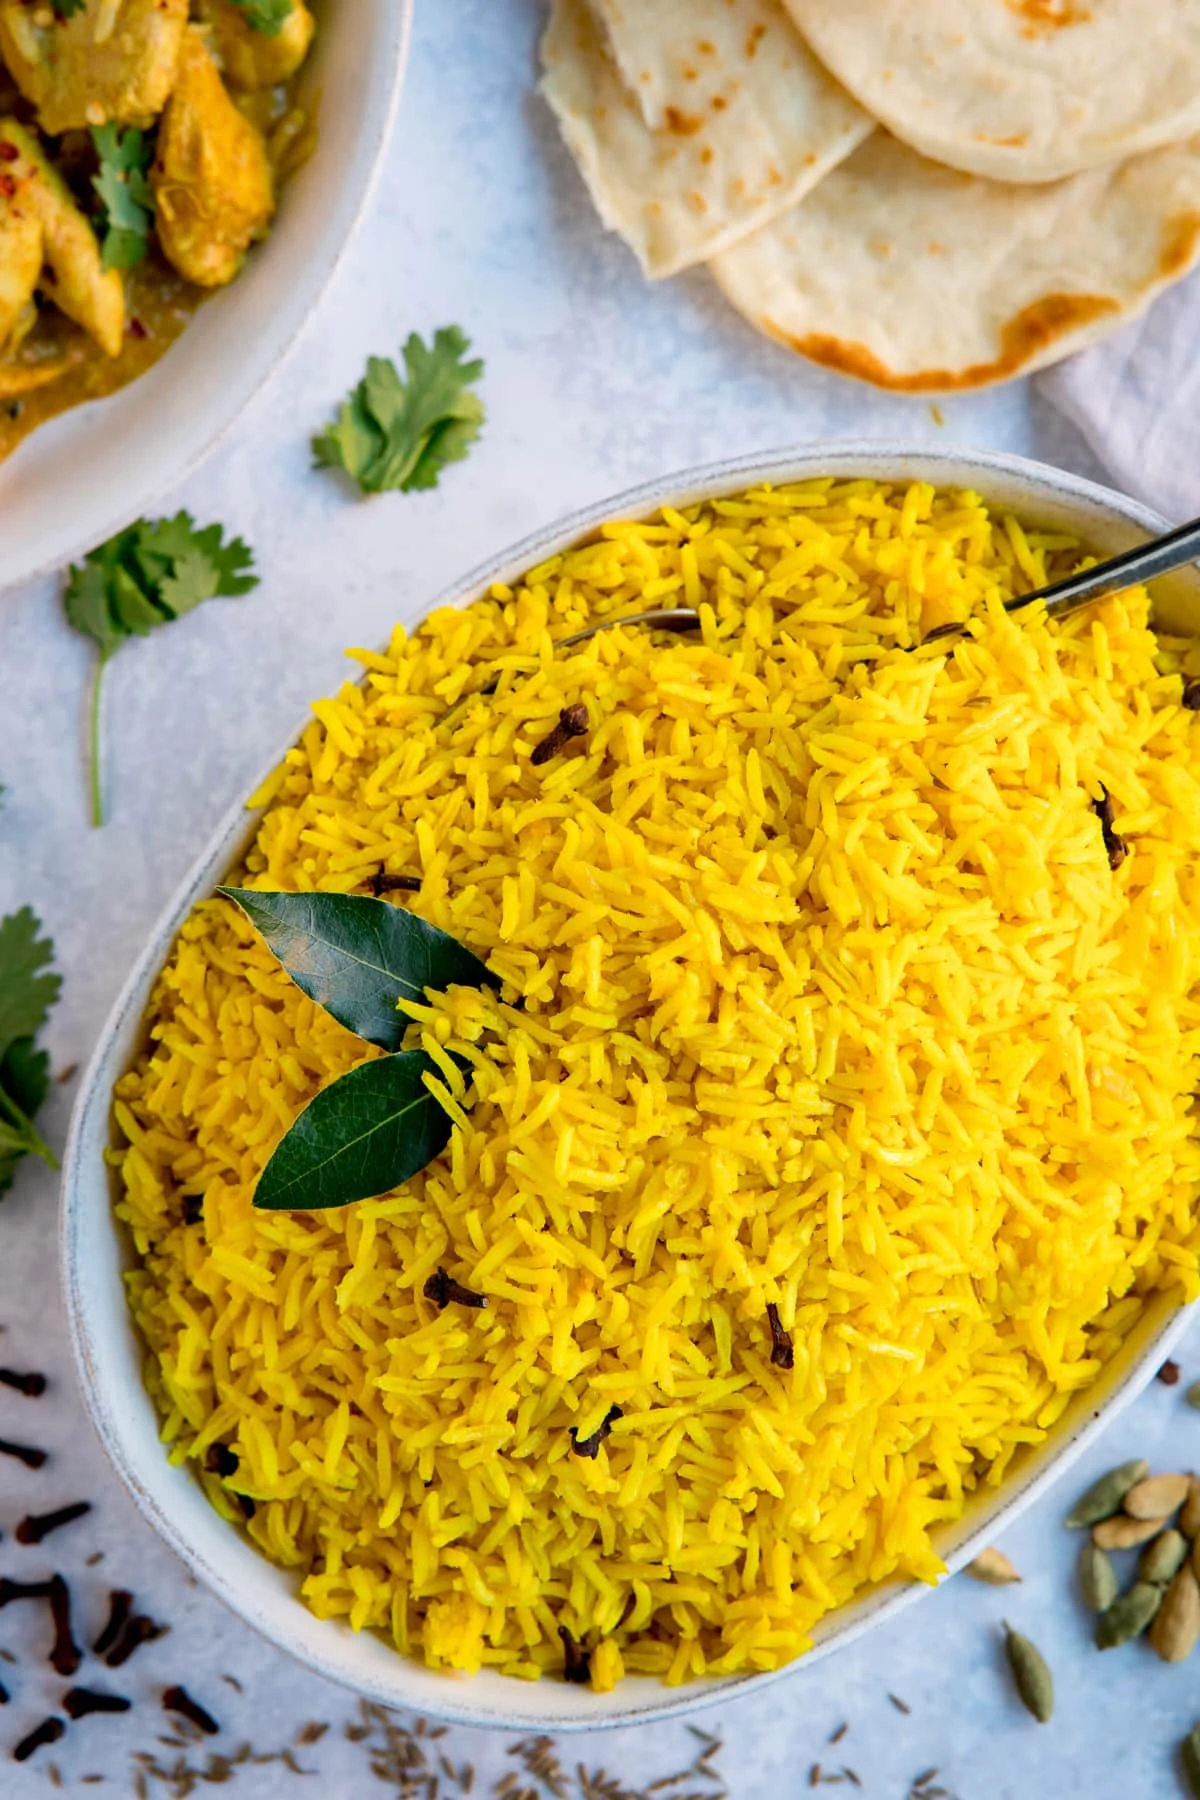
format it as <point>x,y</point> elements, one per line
<point>590,1446</point>
<point>1169,1374</point>
<point>120,1606</point>
<point>444,1291</point>
<point>382,883</point>
<point>1114,843</point>
<point>48,1732</point>
<point>177,1699</point>
<point>221,1460</point>
<point>78,1702</point>
<point>22,1590</point>
<point>65,1656</point>
<point>139,1630</point>
<point>578,1661</point>
<point>37,1526</point>
<point>782,1354</point>
<point>572,722</point>
<point>26,1453</point>
<point>32,1385</point>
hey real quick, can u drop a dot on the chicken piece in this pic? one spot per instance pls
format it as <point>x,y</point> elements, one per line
<point>69,267</point>
<point>111,60</point>
<point>211,178</point>
<point>252,59</point>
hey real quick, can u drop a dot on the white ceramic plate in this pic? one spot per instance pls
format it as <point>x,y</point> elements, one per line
<point>80,477</point>
<point>94,1252</point>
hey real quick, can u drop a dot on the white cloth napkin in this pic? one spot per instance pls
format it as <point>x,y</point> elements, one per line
<point>1136,399</point>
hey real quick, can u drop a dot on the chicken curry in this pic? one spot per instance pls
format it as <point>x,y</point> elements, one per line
<point>142,143</point>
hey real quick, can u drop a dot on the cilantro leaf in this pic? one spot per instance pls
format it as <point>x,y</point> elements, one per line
<point>154,571</point>
<point>125,193</point>
<point>66,9</point>
<point>267,16</point>
<point>24,1084</point>
<point>393,434</point>
<point>26,992</point>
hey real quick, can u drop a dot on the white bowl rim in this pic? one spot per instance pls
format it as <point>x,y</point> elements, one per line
<point>78,541</point>
<point>636,1700</point>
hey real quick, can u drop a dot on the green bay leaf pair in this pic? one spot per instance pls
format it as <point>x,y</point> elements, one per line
<point>379,1124</point>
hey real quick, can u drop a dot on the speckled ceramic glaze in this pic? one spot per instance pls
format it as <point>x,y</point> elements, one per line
<point>94,1251</point>
<point>114,457</point>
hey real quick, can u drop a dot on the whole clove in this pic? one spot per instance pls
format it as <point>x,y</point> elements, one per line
<point>32,1385</point>
<point>590,1446</point>
<point>78,1702</point>
<point>177,1699</point>
<point>1114,843</point>
<point>1191,696</point>
<point>1169,1374</point>
<point>382,883</point>
<point>139,1630</point>
<point>48,1732</point>
<point>193,1209</point>
<point>120,1606</point>
<point>577,1665</point>
<point>248,1506</point>
<point>573,721</point>
<point>26,1453</point>
<point>37,1526</point>
<point>782,1354</point>
<point>22,1590</point>
<point>221,1460</point>
<point>5,1696</point>
<point>444,1291</point>
<point>66,1656</point>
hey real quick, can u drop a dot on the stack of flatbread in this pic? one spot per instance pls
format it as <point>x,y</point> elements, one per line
<point>928,196</point>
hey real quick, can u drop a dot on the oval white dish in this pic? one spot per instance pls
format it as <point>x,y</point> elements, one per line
<point>94,1253</point>
<point>84,475</point>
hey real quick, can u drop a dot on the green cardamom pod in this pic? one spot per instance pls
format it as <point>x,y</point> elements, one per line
<point>1193,1395</point>
<point>1105,1496</point>
<point>1191,1760</point>
<point>1031,1674</point>
<point>1097,1578</point>
<point>1129,1616</point>
<point>1163,1557</point>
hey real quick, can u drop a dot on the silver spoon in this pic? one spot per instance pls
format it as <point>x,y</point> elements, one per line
<point>1143,563</point>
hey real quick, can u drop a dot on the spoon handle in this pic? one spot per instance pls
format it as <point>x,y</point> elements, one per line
<point>1143,563</point>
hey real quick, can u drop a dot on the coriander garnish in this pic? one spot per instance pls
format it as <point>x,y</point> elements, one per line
<point>265,16</point>
<point>124,188</point>
<point>154,571</point>
<point>393,434</point>
<point>28,989</point>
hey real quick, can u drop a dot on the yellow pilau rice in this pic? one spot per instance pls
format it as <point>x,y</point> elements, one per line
<point>831,1000</point>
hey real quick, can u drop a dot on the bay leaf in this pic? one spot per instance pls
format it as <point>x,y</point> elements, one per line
<point>356,956</point>
<point>364,1134</point>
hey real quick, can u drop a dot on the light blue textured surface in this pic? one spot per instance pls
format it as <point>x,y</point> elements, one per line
<point>594,381</point>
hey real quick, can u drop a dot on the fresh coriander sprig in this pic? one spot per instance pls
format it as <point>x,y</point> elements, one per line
<point>28,989</point>
<point>124,189</point>
<point>149,574</point>
<point>267,16</point>
<point>394,434</point>
<point>66,9</point>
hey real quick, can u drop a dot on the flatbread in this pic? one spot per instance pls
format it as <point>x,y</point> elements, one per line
<point>916,277</point>
<point>1017,90</point>
<point>759,133</point>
